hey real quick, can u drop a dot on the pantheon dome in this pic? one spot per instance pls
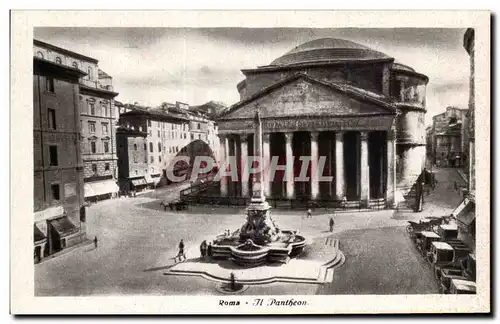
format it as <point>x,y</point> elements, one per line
<point>328,50</point>
<point>337,98</point>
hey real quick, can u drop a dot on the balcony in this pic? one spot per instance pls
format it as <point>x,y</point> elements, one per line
<point>96,84</point>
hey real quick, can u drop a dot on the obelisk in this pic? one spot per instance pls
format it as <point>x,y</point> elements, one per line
<point>258,201</point>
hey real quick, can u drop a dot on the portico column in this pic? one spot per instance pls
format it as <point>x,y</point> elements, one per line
<point>391,170</point>
<point>224,149</point>
<point>244,165</point>
<point>290,183</point>
<point>266,157</point>
<point>314,165</point>
<point>365,169</point>
<point>339,166</point>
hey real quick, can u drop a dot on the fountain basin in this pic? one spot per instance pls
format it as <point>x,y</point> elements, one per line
<point>249,254</point>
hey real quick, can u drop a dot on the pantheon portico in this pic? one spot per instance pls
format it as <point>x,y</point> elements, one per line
<point>335,99</point>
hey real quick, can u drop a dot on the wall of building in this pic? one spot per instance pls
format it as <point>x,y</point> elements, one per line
<point>366,76</point>
<point>68,60</point>
<point>65,137</point>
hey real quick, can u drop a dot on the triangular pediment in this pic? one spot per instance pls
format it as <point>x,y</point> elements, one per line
<point>305,96</point>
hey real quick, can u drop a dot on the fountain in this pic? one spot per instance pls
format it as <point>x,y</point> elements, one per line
<point>259,240</point>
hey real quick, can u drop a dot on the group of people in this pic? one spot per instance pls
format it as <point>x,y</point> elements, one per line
<point>205,249</point>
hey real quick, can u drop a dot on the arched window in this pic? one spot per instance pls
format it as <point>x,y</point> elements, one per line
<point>75,65</point>
<point>89,72</point>
<point>58,60</point>
<point>39,54</point>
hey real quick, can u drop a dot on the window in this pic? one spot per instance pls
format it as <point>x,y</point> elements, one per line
<point>89,73</point>
<point>49,85</point>
<point>185,135</point>
<point>106,147</point>
<point>58,60</point>
<point>192,136</point>
<point>39,54</point>
<point>159,147</point>
<point>159,158</point>
<point>53,155</point>
<point>75,65</point>
<point>105,128</point>
<point>149,123</point>
<point>150,147</point>
<point>92,127</point>
<point>176,149</point>
<point>145,159</point>
<point>104,110</point>
<point>158,133</point>
<point>135,147</point>
<point>51,114</point>
<point>152,159</point>
<point>94,168</point>
<point>56,194</point>
<point>92,147</point>
<point>199,126</point>
<point>106,167</point>
<point>172,126</point>
<point>91,108</point>
<point>135,171</point>
<point>145,147</point>
<point>135,158</point>
<point>199,136</point>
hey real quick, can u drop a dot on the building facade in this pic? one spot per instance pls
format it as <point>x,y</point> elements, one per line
<point>340,100</point>
<point>465,213</point>
<point>97,120</point>
<point>169,132</point>
<point>59,212</point>
<point>448,136</point>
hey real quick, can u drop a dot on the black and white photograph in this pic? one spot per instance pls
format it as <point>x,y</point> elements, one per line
<point>254,167</point>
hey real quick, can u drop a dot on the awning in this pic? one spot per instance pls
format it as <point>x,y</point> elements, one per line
<point>139,182</point>
<point>465,213</point>
<point>39,237</point>
<point>63,226</point>
<point>100,188</point>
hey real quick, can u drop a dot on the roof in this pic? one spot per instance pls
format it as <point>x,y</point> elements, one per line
<point>399,66</point>
<point>429,234</point>
<point>442,245</point>
<point>64,51</point>
<point>68,70</point>
<point>328,49</point>
<point>342,87</point>
<point>154,114</point>
<point>102,74</point>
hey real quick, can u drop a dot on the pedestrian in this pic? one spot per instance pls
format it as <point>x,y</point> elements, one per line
<point>332,222</point>
<point>181,250</point>
<point>344,202</point>
<point>309,213</point>
<point>455,184</point>
<point>203,249</point>
<point>95,242</point>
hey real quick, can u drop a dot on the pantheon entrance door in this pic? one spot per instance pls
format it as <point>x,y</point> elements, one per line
<point>352,165</point>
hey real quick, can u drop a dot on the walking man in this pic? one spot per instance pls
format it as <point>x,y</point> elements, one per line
<point>95,242</point>
<point>332,222</point>
<point>181,250</point>
<point>309,213</point>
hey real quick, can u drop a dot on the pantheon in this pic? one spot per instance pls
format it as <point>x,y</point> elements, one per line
<point>356,106</point>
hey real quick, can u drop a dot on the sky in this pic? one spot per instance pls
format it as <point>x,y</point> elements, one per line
<point>196,65</point>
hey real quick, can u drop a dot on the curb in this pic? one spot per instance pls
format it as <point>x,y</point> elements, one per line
<point>85,243</point>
